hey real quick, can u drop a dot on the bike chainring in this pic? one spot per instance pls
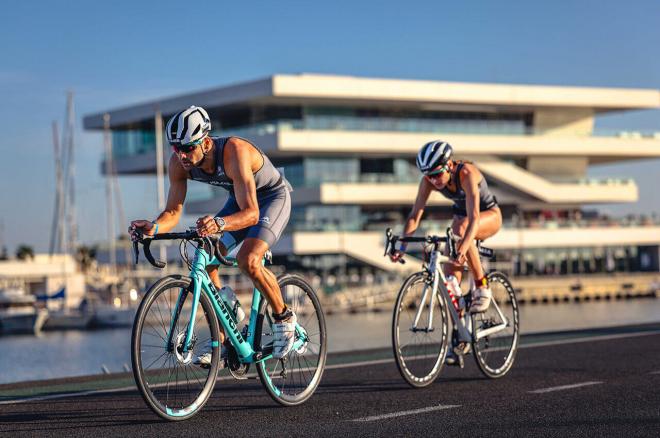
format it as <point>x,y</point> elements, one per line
<point>236,368</point>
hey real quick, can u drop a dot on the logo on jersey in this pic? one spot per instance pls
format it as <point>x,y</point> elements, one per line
<point>265,220</point>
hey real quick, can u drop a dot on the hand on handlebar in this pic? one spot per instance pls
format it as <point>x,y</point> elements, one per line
<point>140,227</point>
<point>206,226</point>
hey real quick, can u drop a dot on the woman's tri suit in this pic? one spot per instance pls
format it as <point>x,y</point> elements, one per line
<point>486,198</point>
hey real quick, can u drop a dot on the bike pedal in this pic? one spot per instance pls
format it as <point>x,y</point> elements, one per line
<point>462,348</point>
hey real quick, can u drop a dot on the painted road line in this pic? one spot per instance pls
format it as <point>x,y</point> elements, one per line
<point>655,372</point>
<point>563,387</point>
<point>66,395</point>
<point>404,413</point>
<point>589,339</point>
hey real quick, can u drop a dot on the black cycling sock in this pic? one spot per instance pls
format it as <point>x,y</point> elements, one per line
<point>286,314</point>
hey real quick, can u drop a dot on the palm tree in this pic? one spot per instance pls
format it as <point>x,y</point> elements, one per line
<point>85,256</point>
<point>24,252</point>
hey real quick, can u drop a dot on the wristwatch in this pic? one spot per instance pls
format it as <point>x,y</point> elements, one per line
<point>220,222</point>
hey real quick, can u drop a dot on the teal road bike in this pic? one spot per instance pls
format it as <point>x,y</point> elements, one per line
<point>180,317</point>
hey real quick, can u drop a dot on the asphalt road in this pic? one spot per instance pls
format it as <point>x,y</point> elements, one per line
<point>572,384</point>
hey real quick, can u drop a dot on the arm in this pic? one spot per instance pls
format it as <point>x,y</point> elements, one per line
<point>168,219</point>
<point>245,189</point>
<point>239,170</point>
<point>470,178</point>
<point>415,216</point>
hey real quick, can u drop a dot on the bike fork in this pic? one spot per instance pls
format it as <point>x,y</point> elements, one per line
<point>176,312</point>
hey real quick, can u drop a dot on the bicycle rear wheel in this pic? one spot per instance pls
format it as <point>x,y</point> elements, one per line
<point>420,348</point>
<point>171,385</point>
<point>496,352</point>
<point>293,379</point>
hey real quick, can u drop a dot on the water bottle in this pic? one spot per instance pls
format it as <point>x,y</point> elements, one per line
<point>452,283</point>
<point>455,287</point>
<point>227,294</point>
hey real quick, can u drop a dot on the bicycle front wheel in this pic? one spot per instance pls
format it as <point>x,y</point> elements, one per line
<point>496,331</point>
<point>293,379</point>
<point>419,331</point>
<point>171,385</point>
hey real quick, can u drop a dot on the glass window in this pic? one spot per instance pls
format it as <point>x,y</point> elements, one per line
<point>319,170</point>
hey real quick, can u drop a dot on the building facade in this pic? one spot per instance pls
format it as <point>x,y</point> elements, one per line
<point>347,145</point>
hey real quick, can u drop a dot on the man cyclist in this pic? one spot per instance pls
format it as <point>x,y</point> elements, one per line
<point>475,209</point>
<point>256,212</point>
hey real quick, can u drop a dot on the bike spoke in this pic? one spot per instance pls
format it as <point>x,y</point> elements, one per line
<point>161,317</point>
<point>172,384</point>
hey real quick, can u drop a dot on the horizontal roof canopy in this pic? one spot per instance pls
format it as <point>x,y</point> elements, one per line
<point>349,90</point>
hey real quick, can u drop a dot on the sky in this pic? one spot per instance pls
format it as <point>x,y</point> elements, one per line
<point>119,53</point>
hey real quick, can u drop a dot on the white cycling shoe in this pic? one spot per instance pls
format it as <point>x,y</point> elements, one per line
<point>481,298</point>
<point>205,356</point>
<point>284,335</point>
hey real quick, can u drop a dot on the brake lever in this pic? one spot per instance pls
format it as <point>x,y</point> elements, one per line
<point>451,243</point>
<point>388,241</point>
<point>136,252</point>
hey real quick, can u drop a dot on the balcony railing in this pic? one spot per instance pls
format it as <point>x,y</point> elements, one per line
<point>137,142</point>
<point>435,226</point>
<point>467,126</point>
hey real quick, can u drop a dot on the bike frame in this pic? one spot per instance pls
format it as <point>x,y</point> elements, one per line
<point>201,283</point>
<point>438,286</point>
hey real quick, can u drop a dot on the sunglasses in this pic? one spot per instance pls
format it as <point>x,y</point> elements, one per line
<point>186,148</point>
<point>437,172</point>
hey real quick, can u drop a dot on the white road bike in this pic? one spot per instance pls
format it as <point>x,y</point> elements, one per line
<point>426,310</point>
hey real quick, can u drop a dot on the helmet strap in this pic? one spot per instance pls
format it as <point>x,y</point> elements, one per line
<point>200,163</point>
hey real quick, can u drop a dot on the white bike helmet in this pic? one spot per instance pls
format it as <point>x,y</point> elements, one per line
<point>432,155</point>
<point>188,126</point>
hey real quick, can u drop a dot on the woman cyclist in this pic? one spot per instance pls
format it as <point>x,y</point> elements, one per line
<point>476,214</point>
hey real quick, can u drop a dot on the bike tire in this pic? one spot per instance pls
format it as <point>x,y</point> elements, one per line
<point>307,368</point>
<point>409,367</point>
<point>495,355</point>
<point>150,383</point>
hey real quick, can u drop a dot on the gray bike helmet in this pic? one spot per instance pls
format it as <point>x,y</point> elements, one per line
<point>433,154</point>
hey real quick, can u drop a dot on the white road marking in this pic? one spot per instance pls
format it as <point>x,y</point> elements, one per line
<point>403,413</point>
<point>589,339</point>
<point>65,395</point>
<point>563,387</point>
<point>655,372</point>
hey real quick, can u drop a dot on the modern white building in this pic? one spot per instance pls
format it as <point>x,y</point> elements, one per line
<point>348,144</point>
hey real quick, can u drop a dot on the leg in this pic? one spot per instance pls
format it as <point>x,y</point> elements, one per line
<point>458,227</point>
<point>249,260</point>
<point>214,276</point>
<point>490,222</point>
<point>274,211</point>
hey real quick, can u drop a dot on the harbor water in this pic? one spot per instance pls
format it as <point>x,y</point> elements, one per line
<point>77,353</point>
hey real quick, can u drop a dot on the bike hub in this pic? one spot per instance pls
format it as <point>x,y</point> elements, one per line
<point>184,358</point>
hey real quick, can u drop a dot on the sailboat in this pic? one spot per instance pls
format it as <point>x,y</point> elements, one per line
<point>65,319</point>
<point>18,314</point>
